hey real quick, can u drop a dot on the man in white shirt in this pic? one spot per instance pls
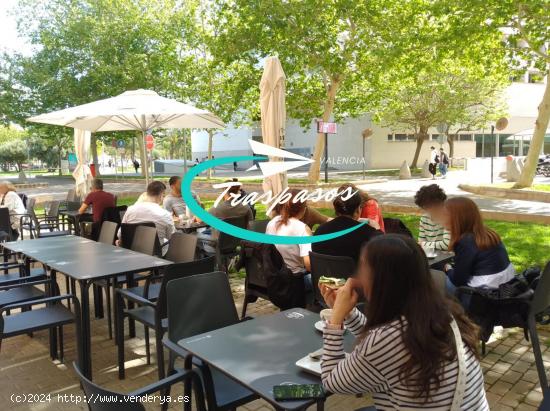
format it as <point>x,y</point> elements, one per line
<point>150,210</point>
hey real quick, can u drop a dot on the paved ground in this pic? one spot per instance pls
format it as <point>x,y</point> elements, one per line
<point>25,368</point>
<point>391,191</point>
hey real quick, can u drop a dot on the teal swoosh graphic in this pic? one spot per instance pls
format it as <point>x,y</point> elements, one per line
<point>237,231</point>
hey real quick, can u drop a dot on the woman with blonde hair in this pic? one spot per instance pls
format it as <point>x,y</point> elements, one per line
<point>10,200</point>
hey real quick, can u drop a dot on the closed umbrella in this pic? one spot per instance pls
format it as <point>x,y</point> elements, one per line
<point>141,110</point>
<point>82,173</point>
<point>273,114</point>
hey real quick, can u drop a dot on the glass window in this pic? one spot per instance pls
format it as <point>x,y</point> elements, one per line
<point>400,137</point>
<point>390,137</point>
<point>465,137</point>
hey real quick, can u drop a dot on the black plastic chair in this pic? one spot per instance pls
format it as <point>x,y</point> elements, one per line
<point>212,293</point>
<point>181,248</point>
<point>127,402</point>
<point>53,316</point>
<point>226,245</point>
<point>151,310</point>
<point>26,221</point>
<point>329,266</point>
<point>5,225</point>
<point>109,214</point>
<point>255,283</point>
<point>128,233</point>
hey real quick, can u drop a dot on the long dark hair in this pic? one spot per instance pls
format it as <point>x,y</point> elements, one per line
<point>402,288</point>
<point>290,208</point>
<point>347,207</point>
<point>465,218</point>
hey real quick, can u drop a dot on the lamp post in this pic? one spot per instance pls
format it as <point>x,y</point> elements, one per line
<point>500,124</point>
<point>367,133</point>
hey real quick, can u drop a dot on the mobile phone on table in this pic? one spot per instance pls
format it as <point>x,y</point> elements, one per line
<point>298,392</point>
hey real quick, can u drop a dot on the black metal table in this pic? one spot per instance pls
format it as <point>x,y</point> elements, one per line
<point>262,352</point>
<point>84,261</point>
<point>73,218</point>
<point>441,258</point>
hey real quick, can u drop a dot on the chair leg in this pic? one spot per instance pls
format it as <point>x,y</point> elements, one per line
<point>483,348</point>
<point>160,353</point>
<point>245,304</point>
<point>539,362</point>
<point>68,288</point>
<point>147,345</point>
<point>109,311</point>
<point>119,330</point>
<point>61,349</point>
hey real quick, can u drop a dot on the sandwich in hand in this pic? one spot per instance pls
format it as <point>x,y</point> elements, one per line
<point>332,282</point>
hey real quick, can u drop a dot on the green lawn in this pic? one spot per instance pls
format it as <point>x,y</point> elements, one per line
<point>535,187</point>
<point>527,243</point>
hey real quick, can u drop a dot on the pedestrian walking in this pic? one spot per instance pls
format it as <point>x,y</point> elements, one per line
<point>136,165</point>
<point>434,159</point>
<point>443,162</point>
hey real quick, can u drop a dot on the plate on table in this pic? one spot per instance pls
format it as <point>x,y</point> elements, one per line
<point>320,325</point>
<point>431,255</point>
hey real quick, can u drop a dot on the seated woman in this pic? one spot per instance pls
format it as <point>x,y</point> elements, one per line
<point>347,213</point>
<point>371,210</point>
<point>416,348</point>
<point>287,223</point>
<point>431,234</point>
<point>481,260</point>
<point>14,204</point>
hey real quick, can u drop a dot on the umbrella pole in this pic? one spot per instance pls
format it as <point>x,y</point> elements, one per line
<point>145,166</point>
<point>184,152</point>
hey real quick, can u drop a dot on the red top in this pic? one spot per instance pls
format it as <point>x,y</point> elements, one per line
<point>371,210</point>
<point>100,200</point>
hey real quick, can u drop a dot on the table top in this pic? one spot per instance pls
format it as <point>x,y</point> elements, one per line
<point>441,258</point>
<point>262,352</point>
<point>73,213</point>
<point>84,259</point>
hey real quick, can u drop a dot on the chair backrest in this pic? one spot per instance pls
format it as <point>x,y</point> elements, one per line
<point>52,209</point>
<point>71,195</point>
<point>258,226</point>
<point>107,234</point>
<point>128,231</point>
<point>116,401</point>
<point>329,266</point>
<point>73,205</point>
<point>541,298</point>
<point>226,242</point>
<point>182,248</point>
<point>31,202</point>
<point>253,265</point>
<point>198,304</point>
<point>24,198</point>
<point>181,270</point>
<point>5,223</point>
<point>145,240</point>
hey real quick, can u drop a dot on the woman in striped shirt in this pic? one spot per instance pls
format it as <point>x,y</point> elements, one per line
<point>406,354</point>
<point>432,234</point>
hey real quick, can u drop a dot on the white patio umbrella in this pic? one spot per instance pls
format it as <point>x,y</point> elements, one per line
<point>82,173</point>
<point>273,115</point>
<point>141,110</point>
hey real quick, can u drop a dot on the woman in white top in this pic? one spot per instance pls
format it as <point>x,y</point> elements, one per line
<point>408,338</point>
<point>10,200</point>
<point>287,223</point>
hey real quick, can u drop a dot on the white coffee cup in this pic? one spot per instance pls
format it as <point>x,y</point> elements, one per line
<point>326,314</point>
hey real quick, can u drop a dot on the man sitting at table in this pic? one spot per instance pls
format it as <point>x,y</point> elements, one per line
<point>98,199</point>
<point>151,210</point>
<point>173,202</point>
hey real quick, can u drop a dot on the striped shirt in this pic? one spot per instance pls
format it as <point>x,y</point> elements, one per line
<point>433,234</point>
<point>373,367</point>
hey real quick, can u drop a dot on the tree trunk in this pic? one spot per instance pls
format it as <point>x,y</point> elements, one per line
<point>315,167</point>
<point>210,141</point>
<point>142,153</point>
<point>421,136</point>
<point>530,167</point>
<point>93,147</point>
<point>451,141</point>
<point>59,161</point>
